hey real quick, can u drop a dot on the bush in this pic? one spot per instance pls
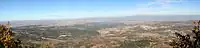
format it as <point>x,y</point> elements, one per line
<point>185,41</point>
<point>7,38</point>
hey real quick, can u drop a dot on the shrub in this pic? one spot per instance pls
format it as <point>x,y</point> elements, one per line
<point>7,38</point>
<point>185,41</point>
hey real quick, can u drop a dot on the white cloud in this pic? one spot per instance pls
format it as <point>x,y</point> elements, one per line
<point>164,3</point>
<point>156,6</point>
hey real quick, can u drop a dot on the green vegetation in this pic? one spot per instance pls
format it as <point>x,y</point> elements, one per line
<point>6,38</point>
<point>86,36</point>
<point>185,41</point>
<point>135,44</point>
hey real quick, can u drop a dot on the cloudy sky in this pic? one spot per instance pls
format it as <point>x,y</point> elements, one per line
<point>68,9</point>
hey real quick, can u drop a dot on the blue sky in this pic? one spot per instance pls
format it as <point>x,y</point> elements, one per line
<point>68,9</point>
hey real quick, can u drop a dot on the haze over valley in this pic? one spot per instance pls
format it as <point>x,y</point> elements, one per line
<point>123,32</point>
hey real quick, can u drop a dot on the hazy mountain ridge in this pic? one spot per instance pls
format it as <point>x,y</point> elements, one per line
<point>152,18</point>
<point>104,19</point>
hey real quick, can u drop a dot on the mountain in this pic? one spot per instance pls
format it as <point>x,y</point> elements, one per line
<point>105,19</point>
<point>152,18</point>
<point>141,31</point>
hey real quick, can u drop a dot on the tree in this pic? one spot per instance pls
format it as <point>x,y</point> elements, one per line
<point>7,37</point>
<point>185,41</point>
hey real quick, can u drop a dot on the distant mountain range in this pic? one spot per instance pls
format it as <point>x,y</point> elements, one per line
<point>153,18</point>
<point>133,18</point>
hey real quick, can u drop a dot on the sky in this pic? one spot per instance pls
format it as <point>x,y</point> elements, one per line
<point>70,9</point>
